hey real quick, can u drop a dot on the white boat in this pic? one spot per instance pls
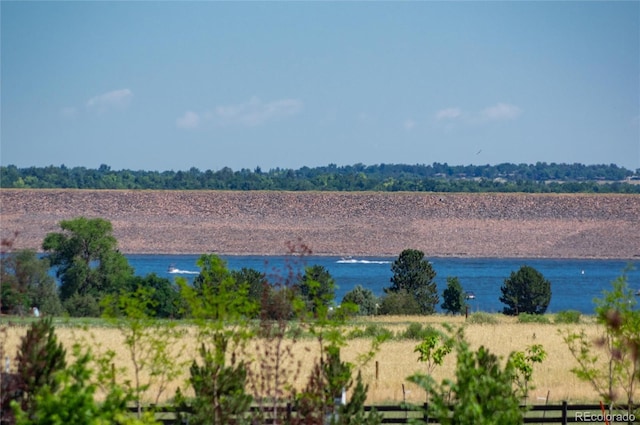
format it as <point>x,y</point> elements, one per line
<point>174,270</point>
<point>470,295</point>
<point>347,259</point>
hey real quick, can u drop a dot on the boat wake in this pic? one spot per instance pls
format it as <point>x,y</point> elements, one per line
<point>356,261</point>
<point>173,270</point>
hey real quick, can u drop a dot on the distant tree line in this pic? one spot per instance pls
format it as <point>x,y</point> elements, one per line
<point>533,178</point>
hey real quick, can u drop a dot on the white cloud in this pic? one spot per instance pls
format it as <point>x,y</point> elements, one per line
<point>498,112</point>
<point>501,111</point>
<point>113,99</point>
<point>448,114</point>
<point>189,120</point>
<point>248,114</point>
<point>409,124</point>
<point>255,112</point>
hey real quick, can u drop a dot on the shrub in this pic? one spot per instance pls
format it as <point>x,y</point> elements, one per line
<point>316,404</point>
<point>74,400</point>
<point>399,303</point>
<point>482,318</point>
<point>220,396</point>
<point>372,330</point>
<point>480,394</point>
<point>276,303</point>
<point>611,364</point>
<point>522,362</point>
<point>82,306</point>
<point>568,316</point>
<point>364,298</point>
<point>416,331</point>
<point>533,318</point>
<point>433,349</point>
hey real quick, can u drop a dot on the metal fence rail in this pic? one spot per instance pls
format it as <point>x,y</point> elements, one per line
<point>562,414</point>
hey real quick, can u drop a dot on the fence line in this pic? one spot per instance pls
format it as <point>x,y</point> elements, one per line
<point>562,414</point>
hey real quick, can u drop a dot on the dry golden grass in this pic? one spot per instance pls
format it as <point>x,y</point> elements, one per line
<point>396,360</point>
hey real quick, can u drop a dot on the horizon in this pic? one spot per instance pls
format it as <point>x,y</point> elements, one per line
<point>635,171</point>
<point>176,85</point>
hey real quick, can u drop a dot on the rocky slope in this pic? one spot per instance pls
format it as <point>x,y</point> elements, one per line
<point>468,225</point>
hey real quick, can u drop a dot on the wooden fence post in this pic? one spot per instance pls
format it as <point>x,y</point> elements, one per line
<point>564,413</point>
<point>425,415</point>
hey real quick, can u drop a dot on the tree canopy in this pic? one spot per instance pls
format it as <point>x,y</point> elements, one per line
<point>436,177</point>
<point>26,283</point>
<point>87,260</point>
<point>526,291</point>
<point>316,287</point>
<point>364,298</point>
<point>454,297</point>
<point>415,275</point>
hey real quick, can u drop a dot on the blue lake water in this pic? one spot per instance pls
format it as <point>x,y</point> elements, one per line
<point>574,283</point>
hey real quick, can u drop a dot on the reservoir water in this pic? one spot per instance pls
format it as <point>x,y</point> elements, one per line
<point>574,283</point>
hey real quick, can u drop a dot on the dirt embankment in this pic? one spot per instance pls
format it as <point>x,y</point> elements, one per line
<point>465,225</point>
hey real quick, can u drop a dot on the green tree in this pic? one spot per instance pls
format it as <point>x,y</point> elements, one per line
<point>318,403</point>
<point>316,287</point>
<point>153,344</point>
<point>166,300</point>
<point>526,291</point>
<point>454,297</point>
<point>219,387</point>
<point>255,281</point>
<point>330,375</point>
<point>481,393</point>
<point>415,275</point>
<point>399,303</point>
<point>85,305</point>
<point>26,283</point>
<point>612,364</point>
<point>222,311</point>
<point>73,399</point>
<point>12,291</point>
<point>216,295</point>
<point>433,349</point>
<point>213,273</point>
<point>40,356</point>
<point>523,364</point>
<point>277,304</point>
<point>364,298</point>
<point>87,260</point>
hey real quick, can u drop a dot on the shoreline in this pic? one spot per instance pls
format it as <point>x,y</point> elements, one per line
<point>385,256</point>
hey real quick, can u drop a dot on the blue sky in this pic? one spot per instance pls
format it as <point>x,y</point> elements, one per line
<point>175,85</point>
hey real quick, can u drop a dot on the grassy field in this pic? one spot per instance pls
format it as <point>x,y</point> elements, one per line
<point>395,361</point>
